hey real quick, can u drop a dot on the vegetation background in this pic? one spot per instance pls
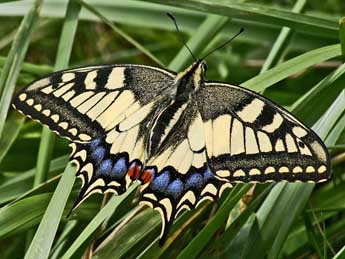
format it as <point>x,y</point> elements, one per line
<point>291,51</point>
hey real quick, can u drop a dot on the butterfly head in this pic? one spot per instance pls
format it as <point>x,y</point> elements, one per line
<point>189,80</point>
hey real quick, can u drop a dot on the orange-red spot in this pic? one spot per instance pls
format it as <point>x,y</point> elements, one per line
<point>146,176</point>
<point>134,172</point>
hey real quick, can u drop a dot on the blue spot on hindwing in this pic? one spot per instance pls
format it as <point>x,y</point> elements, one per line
<point>208,174</point>
<point>104,168</point>
<point>195,180</point>
<point>95,143</point>
<point>175,188</point>
<point>98,154</point>
<point>161,182</point>
<point>120,169</point>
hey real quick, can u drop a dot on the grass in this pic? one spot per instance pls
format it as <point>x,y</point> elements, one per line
<point>292,53</point>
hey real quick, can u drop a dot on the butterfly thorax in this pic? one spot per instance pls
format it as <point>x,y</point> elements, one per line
<point>169,119</point>
<point>190,80</point>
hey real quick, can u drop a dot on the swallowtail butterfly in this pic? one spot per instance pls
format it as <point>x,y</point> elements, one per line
<point>185,139</point>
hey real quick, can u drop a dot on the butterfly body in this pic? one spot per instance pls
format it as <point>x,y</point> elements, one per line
<point>184,138</point>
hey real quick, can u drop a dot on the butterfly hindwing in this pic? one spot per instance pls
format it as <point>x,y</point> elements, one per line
<point>180,176</point>
<point>248,138</point>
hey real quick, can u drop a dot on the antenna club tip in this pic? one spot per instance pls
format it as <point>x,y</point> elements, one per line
<point>241,30</point>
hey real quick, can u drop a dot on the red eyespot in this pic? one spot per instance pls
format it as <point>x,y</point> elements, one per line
<point>134,171</point>
<point>146,176</point>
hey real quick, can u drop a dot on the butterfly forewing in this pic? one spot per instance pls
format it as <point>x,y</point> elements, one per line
<point>248,138</point>
<point>82,104</point>
<point>106,112</point>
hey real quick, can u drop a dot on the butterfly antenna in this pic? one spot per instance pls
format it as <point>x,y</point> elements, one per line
<point>224,44</point>
<point>172,17</point>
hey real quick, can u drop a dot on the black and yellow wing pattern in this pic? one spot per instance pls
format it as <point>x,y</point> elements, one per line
<point>184,138</point>
<point>105,111</point>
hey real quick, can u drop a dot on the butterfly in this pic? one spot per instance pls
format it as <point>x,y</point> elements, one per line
<point>184,138</point>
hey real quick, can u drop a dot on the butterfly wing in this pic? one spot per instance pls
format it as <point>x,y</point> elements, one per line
<point>181,178</point>
<point>229,134</point>
<point>105,111</point>
<point>248,138</point>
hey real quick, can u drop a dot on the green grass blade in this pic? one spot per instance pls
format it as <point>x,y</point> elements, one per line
<point>259,13</point>
<point>340,254</point>
<point>11,131</point>
<point>342,35</point>
<point>122,33</point>
<point>133,237</point>
<point>282,42</point>
<point>300,107</point>
<point>22,215</point>
<point>42,242</point>
<point>15,59</point>
<point>63,56</point>
<point>219,219</point>
<point>20,186</point>
<point>101,216</point>
<point>31,68</point>
<point>206,31</point>
<point>46,232</point>
<point>294,65</point>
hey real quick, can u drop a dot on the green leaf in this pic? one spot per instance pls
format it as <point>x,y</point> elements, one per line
<point>43,239</point>
<point>288,68</point>
<point>45,234</point>
<point>11,131</point>
<point>260,13</point>
<point>15,59</point>
<point>316,101</point>
<point>206,31</point>
<point>101,216</point>
<point>121,33</point>
<point>283,40</point>
<point>219,219</point>
<point>23,214</point>
<point>133,236</point>
<point>342,34</point>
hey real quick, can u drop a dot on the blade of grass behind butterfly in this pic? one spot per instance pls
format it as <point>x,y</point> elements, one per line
<point>340,254</point>
<point>275,218</point>
<point>20,186</point>
<point>292,66</point>
<point>102,215</point>
<point>30,68</point>
<point>282,41</point>
<point>11,130</point>
<point>15,59</point>
<point>150,15</point>
<point>342,35</point>
<point>205,235</point>
<point>302,107</point>
<point>43,239</point>
<point>121,33</point>
<point>208,29</point>
<point>259,13</point>
<point>225,242</point>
